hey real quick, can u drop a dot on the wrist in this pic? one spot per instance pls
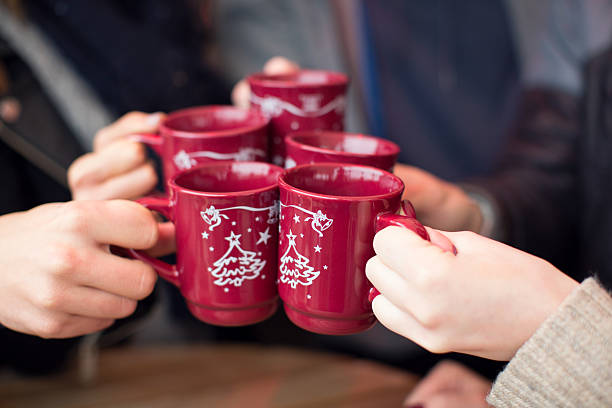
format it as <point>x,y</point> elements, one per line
<point>488,211</point>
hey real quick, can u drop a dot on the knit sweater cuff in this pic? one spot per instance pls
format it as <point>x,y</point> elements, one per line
<point>568,361</point>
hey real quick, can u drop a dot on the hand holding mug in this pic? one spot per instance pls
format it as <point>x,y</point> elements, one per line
<point>118,167</point>
<point>57,275</point>
<point>438,203</point>
<point>485,300</point>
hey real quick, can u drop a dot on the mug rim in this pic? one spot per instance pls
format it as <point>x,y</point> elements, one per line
<point>270,80</point>
<point>173,185</point>
<point>164,129</point>
<point>338,134</point>
<point>283,184</point>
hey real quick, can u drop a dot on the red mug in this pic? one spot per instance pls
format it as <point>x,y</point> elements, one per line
<point>321,146</point>
<point>329,213</point>
<point>206,134</point>
<point>226,219</point>
<point>304,100</point>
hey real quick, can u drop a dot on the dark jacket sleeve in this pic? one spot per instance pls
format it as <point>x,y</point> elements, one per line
<point>535,187</point>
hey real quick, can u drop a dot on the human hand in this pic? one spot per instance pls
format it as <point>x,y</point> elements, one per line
<point>486,300</point>
<point>241,94</point>
<point>118,167</point>
<point>450,385</point>
<point>57,276</point>
<point>439,204</point>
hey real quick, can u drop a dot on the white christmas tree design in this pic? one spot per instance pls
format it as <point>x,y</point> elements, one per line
<point>294,266</point>
<point>236,265</point>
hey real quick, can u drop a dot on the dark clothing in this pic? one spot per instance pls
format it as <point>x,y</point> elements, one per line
<point>595,182</point>
<point>447,82</point>
<point>146,55</point>
<point>536,185</point>
<point>555,188</point>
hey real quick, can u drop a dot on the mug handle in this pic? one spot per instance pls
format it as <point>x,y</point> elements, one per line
<point>406,220</point>
<point>154,141</point>
<point>165,270</point>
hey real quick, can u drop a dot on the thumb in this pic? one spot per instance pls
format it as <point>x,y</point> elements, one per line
<point>440,240</point>
<point>280,65</point>
<point>241,94</point>
<point>133,122</point>
<point>397,247</point>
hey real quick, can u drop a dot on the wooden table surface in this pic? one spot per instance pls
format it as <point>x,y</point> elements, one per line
<point>217,376</point>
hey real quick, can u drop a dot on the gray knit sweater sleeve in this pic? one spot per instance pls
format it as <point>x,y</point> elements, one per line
<point>568,361</point>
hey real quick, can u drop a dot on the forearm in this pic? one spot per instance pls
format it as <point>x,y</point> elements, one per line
<point>568,361</point>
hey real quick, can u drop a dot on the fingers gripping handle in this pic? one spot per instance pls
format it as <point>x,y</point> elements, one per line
<point>150,139</point>
<point>405,221</point>
<point>164,269</point>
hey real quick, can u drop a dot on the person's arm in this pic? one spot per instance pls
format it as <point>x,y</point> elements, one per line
<point>568,361</point>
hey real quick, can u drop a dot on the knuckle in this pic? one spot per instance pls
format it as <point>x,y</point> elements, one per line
<point>51,326</point>
<point>137,151</point>
<point>75,217</point>
<point>149,230</point>
<point>49,297</point>
<point>101,138</point>
<point>426,280</point>
<point>150,176</point>
<point>63,259</point>
<point>372,266</point>
<point>76,176</point>
<point>437,345</point>
<point>430,317</point>
<point>126,308</point>
<point>147,280</point>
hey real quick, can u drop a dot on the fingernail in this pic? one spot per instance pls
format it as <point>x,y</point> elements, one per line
<point>408,209</point>
<point>153,118</point>
<point>454,250</point>
<point>373,293</point>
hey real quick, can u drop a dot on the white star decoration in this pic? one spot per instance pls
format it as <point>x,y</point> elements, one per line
<point>233,222</point>
<point>296,218</point>
<point>211,248</point>
<point>205,235</point>
<point>249,230</point>
<point>233,238</point>
<point>317,248</point>
<point>291,237</point>
<point>264,237</point>
<point>301,235</point>
<point>256,218</point>
<point>325,267</point>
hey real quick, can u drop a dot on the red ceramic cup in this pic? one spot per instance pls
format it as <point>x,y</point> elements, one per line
<point>305,100</point>
<point>208,133</point>
<point>321,146</point>
<point>226,219</point>
<point>329,214</point>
